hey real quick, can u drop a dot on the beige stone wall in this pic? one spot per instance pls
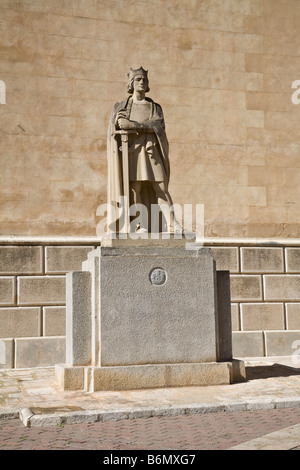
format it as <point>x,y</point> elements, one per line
<point>223,72</point>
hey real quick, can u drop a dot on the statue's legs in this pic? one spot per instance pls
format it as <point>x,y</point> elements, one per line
<point>136,190</point>
<point>136,198</point>
<point>164,200</point>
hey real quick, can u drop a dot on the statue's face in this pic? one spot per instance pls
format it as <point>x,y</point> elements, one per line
<point>140,83</point>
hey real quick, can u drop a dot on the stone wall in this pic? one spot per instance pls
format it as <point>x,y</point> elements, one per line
<point>32,300</point>
<point>265,295</point>
<point>223,72</point>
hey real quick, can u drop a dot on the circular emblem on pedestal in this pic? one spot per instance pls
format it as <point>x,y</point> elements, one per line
<point>158,276</point>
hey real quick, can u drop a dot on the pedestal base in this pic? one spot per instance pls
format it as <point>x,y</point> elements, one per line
<point>93,379</point>
<point>148,316</point>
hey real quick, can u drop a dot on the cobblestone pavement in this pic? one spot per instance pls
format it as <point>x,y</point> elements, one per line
<point>196,418</point>
<point>211,431</point>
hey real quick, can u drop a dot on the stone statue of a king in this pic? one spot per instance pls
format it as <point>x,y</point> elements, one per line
<point>138,145</point>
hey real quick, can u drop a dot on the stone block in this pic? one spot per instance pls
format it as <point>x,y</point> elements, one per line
<point>238,371</point>
<point>245,287</point>
<point>247,344</point>
<point>21,260</point>
<point>224,328</point>
<point>54,321</point>
<point>61,259</point>
<point>6,353</point>
<point>92,264</point>
<point>262,316</point>
<point>41,290</point>
<point>266,176</point>
<point>171,321</point>
<point>39,352</point>
<point>262,260</point>
<point>69,378</point>
<point>226,258</point>
<point>78,319</point>
<point>160,375</point>
<point>282,288</point>
<point>7,290</point>
<point>146,376</point>
<point>293,316</point>
<point>20,321</point>
<point>235,317</point>
<point>282,343</point>
<point>292,260</point>
<point>149,376</point>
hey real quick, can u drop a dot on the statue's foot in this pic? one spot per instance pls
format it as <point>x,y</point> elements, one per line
<point>141,230</point>
<point>189,235</point>
<point>178,229</point>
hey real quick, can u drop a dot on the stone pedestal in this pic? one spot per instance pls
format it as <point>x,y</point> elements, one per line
<point>148,315</point>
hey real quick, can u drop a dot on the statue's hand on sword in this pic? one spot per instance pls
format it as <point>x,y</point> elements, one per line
<point>125,124</point>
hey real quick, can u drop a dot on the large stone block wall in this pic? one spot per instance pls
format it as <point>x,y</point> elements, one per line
<point>33,299</point>
<point>265,296</point>
<point>223,72</point>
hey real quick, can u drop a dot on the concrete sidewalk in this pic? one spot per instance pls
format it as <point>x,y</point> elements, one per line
<point>33,396</point>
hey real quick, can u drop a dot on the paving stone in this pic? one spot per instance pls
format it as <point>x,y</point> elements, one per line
<point>215,431</point>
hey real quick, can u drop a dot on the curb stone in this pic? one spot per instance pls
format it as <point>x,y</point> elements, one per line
<point>29,418</point>
<point>9,414</point>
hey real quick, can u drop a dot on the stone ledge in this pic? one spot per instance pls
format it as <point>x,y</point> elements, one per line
<point>36,240</point>
<point>148,376</point>
<point>31,417</point>
<point>96,241</point>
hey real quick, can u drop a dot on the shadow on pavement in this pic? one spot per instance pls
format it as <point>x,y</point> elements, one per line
<point>267,371</point>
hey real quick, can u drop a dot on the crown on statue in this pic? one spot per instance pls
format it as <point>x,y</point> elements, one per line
<point>132,73</point>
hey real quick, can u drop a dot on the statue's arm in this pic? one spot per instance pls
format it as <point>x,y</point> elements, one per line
<point>154,124</point>
<point>126,124</point>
